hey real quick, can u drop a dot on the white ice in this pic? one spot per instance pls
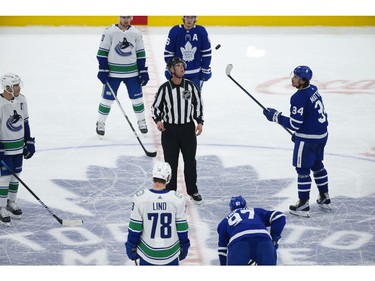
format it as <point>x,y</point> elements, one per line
<point>58,68</point>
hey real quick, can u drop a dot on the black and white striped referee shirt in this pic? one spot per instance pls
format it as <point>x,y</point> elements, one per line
<point>178,104</point>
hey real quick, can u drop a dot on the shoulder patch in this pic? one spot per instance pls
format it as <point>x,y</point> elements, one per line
<point>140,192</point>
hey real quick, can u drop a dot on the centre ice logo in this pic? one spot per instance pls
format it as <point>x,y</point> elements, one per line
<point>341,237</point>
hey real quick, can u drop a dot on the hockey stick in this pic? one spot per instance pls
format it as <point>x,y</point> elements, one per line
<point>62,222</point>
<point>148,153</point>
<point>228,70</point>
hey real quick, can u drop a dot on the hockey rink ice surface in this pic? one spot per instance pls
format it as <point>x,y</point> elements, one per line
<point>80,176</point>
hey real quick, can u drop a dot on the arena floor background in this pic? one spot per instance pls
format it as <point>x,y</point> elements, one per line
<point>80,176</point>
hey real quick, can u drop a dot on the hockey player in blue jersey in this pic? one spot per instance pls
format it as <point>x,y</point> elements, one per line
<point>191,43</point>
<point>308,119</point>
<point>243,235</point>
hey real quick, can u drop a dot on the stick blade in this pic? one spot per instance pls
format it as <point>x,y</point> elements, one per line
<point>228,69</point>
<point>71,223</point>
<point>151,154</point>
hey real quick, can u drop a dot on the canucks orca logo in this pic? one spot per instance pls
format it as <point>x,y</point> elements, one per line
<point>14,123</point>
<point>124,48</point>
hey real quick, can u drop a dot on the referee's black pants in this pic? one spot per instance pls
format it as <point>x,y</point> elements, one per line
<point>182,138</point>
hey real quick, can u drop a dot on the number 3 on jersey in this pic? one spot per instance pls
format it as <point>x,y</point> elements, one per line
<point>317,105</point>
<point>320,107</point>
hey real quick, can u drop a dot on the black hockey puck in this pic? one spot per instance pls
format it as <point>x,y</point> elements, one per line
<point>218,46</point>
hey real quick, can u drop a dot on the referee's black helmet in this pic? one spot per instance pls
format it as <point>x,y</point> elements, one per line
<point>175,60</point>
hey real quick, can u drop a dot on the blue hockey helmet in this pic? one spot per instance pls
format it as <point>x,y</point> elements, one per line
<point>237,202</point>
<point>303,72</point>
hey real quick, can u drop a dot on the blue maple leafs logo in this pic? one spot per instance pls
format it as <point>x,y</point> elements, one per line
<point>343,236</point>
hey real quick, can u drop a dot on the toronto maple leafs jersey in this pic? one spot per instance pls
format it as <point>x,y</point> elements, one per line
<point>249,222</point>
<point>13,116</point>
<point>192,45</point>
<point>157,225</point>
<point>308,117</point>
<point>121,51</point>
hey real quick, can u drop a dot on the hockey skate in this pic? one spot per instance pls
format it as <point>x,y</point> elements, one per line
<point>324,201</point>
<point>14,210</point>
<point>142,126</point>
<point>4,216</point>
<point>301,208</point>
<point>197,198</point>
<point>100,128</point>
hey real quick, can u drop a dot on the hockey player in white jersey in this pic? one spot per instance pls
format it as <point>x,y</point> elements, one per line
<point>15,143</point>
<point>158,228</point>
<point>122,58</point>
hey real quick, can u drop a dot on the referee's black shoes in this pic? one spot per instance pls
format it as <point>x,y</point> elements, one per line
<point>197,198</point>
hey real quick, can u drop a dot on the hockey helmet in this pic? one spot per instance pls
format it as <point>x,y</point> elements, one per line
<point>175,60</point>
<point>237,202</point>
<point>162,170</point>
<point>303,72</point>
<point>10,79</point>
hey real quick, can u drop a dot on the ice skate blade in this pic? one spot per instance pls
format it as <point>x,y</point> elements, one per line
<point>13,216</point>
<point>7,224</point>
<point>300,213</point>
<point>325,206</point>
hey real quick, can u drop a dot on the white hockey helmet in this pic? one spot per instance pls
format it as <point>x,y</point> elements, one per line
<point>10,79</point>
<point>162,170</point>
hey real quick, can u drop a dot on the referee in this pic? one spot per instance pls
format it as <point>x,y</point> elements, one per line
<point>177,104</point>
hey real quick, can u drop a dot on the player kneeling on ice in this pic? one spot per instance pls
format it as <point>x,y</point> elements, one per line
<point>158,228</point>
<point>243,235</point>
<point>15,143</point>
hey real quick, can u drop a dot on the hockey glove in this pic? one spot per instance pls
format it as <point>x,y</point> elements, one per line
<point>205,74</point>
<point>272,114</point>
<point>184,249</point>
<point>103,75</point>
<point>29,148</point>
<point>143,76</point>
<point>131,251</point>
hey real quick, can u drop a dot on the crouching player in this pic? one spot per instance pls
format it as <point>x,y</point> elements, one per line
<point>243,235</point>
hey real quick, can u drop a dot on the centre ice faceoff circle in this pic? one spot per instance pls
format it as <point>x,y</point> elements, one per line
<point>106,197</point>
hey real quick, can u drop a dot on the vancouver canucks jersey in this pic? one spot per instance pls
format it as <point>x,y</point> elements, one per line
<point>121,51</point>
<point>157,224</point>
<point>308,117</point>
<point>249,222</point>
<point>192,45</point>
<point>13,116</point>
